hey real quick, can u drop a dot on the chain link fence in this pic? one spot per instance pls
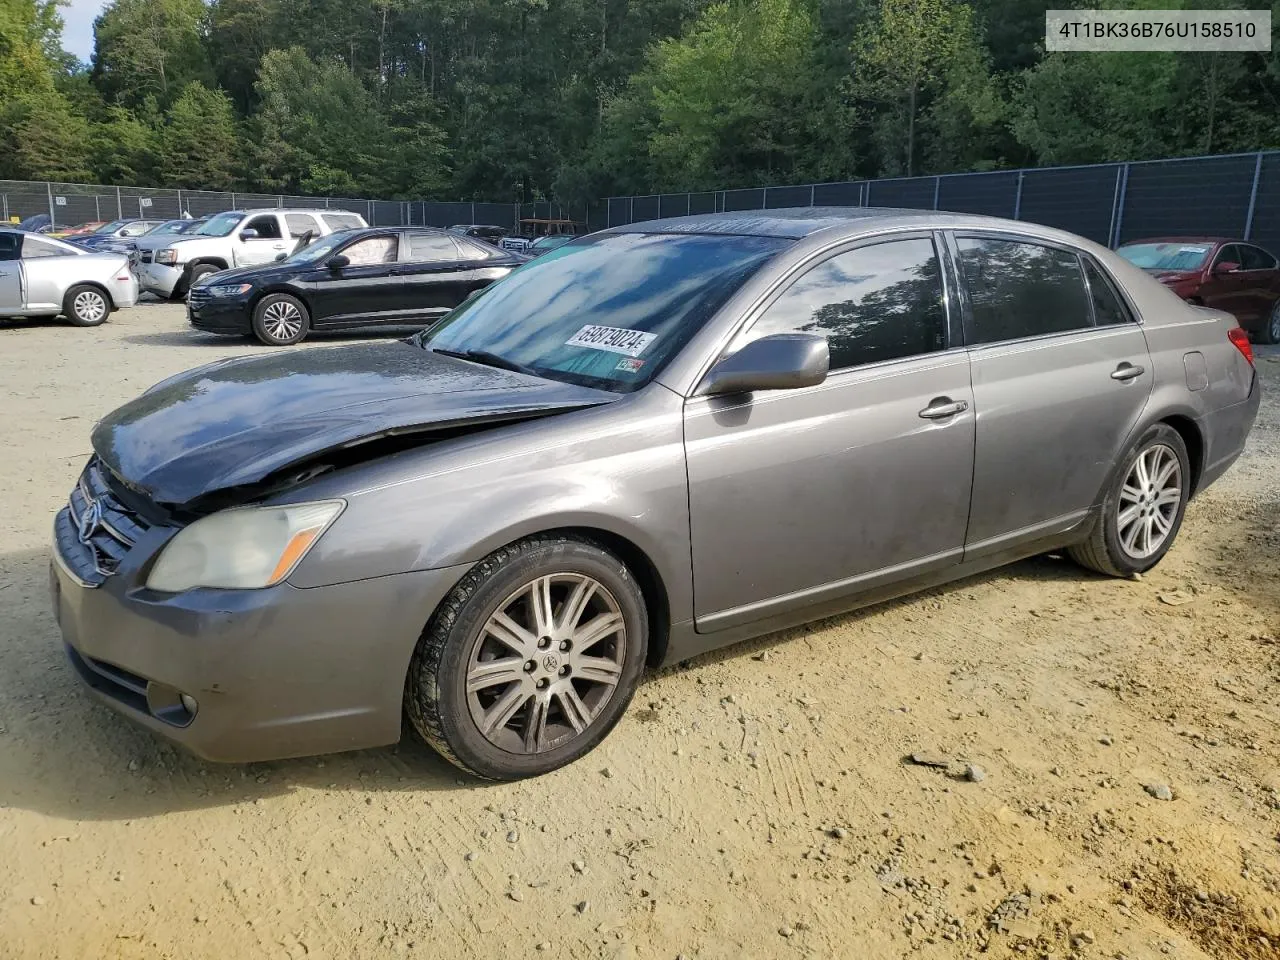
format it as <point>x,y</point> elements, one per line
<point>1235,195</point>
<point>69,204</point>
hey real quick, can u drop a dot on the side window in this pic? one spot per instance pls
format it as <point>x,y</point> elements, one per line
<point>430,248</point>
<point>1230,253</point>
<point>875,303</point>
<point>371,250</point>
<point>342,221</point>
<point>301,223</point>
<point>1019,289</point>
<point>1255,258</point>
<point>267,225</point>
<point>474,251</point>
<point>10,246</point>
<point>1108,308</point>
<point>33,248</point>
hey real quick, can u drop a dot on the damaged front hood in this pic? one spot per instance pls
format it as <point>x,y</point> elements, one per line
<point>237,422</point>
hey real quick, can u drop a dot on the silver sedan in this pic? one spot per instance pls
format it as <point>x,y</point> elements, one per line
<point>652,442</point>
<point>45,277</point>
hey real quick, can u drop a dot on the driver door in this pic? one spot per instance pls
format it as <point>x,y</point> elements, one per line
<point>799,497</point>
<point>10,271</point>
<point>269,243</point>
<point>366,290</point>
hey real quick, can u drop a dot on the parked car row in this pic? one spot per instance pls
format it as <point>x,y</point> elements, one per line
<point>679,435</point>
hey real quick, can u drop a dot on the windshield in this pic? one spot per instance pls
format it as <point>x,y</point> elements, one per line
<point>608,311</point>
<point>321,248</point>
<point>111,227</point>
<point>219,226</point>
<point>1166,256</point>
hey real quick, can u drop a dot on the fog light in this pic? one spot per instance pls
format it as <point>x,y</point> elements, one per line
<point>189,703</point>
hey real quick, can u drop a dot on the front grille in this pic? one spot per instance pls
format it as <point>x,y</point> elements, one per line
<point>198,296</point>
<point>95,529</point>
<point>146,256</point>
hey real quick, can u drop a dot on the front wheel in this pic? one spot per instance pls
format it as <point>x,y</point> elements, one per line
<point>530,660</point>
<point>1143,509</point>
<point>1269,332</point>
<point>279,320</point>
<point>86,306</point>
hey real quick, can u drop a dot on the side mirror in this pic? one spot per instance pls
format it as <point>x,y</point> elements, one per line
<point>1225,266</point>
<point>784,361</point>
<point>281,256</point>
<point>248,233</point>
<point>338,262</point>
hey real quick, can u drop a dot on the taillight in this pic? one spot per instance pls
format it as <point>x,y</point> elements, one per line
<point>1241,340</point>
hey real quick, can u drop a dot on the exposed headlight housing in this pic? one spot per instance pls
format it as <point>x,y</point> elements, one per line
<point>167,255</point>
<point>245,548</point>
<point>225,289</point>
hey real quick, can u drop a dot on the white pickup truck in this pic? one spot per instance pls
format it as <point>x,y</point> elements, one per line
<point>237,238</point>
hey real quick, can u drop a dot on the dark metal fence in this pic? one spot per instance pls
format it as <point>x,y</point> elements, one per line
<point>1236,195</point>
<point>73,203</point>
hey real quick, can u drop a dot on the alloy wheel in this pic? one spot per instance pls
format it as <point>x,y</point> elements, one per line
<point>1273,325</point>
<point>1149,501</point>
<point>282,320</point>
<point>545,663</point>
<point>90,306</point>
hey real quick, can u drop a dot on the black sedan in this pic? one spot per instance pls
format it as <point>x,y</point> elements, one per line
<point>349,280</point>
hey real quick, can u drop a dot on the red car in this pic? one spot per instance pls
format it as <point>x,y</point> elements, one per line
<point>1232,275</point>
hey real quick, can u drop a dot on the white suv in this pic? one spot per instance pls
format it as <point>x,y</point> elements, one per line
<point>237,238</point>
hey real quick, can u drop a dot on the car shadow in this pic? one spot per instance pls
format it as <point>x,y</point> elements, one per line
<point>63,754</point>
<point>33,323</point>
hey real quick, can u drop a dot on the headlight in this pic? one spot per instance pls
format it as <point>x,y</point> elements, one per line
<point>167,255</point>
<point>226,289</point>
<point>245,548</point>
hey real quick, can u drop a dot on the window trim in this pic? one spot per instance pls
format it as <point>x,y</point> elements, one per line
<point>819,257</point>
<point>970,330</point>
<point>1131,315</point>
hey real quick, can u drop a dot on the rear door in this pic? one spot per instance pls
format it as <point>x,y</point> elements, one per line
<point>366,290</point>
<point>269,243</point>
<point>46,266</point>
<point>801,496</point>
<point>1060,377</point>
<point>1260,286</point>
<point>434,273</point>
<point>1222,290</point>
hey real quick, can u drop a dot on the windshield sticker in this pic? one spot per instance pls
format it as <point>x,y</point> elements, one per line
<point>629,343</point>
<point>1193,249</point>
<point>630,365</point>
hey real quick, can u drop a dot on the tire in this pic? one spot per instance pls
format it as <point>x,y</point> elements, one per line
<point>1269,332</point>
<point>579,694</point>
<point>1121,549</point>
<point>199,272</point>
<point>279,320</point>
<point>86,306</point>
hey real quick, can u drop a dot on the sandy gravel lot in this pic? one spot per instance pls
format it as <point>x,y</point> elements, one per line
<point>754,803</point>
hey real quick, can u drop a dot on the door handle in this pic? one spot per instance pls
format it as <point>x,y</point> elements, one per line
<point>278,246</point>
<point>1127,371</point>
<point>944,407</point>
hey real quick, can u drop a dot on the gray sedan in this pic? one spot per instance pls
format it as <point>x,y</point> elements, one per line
<point>44,277</point>
<point>652,442</point>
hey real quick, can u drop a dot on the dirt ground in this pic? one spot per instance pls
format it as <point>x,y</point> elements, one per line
<point>753,803</point>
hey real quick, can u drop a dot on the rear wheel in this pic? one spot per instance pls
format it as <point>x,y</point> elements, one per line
<point>279,320</point>
<point>1269,332</point>
<point>530,660</point>
<point>86,306</point>
<point>1143,509</point>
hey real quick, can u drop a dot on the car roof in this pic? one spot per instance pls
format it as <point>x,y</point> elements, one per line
<point>293,210</point>
<point>794,223</point>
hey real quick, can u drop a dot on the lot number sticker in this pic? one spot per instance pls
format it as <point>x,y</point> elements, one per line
<point>629,343</point>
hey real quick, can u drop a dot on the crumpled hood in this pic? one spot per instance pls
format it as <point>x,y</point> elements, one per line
<point>238,421</point>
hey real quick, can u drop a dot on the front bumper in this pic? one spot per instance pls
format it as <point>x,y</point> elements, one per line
<point>158,278</point>
<point>224,315</point>
<point>281,672</point>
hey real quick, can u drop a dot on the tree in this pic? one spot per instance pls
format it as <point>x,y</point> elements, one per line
<point>908,54</point>
<point>47,140</point>
<point>200,144</point>
<point>149,48</point>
